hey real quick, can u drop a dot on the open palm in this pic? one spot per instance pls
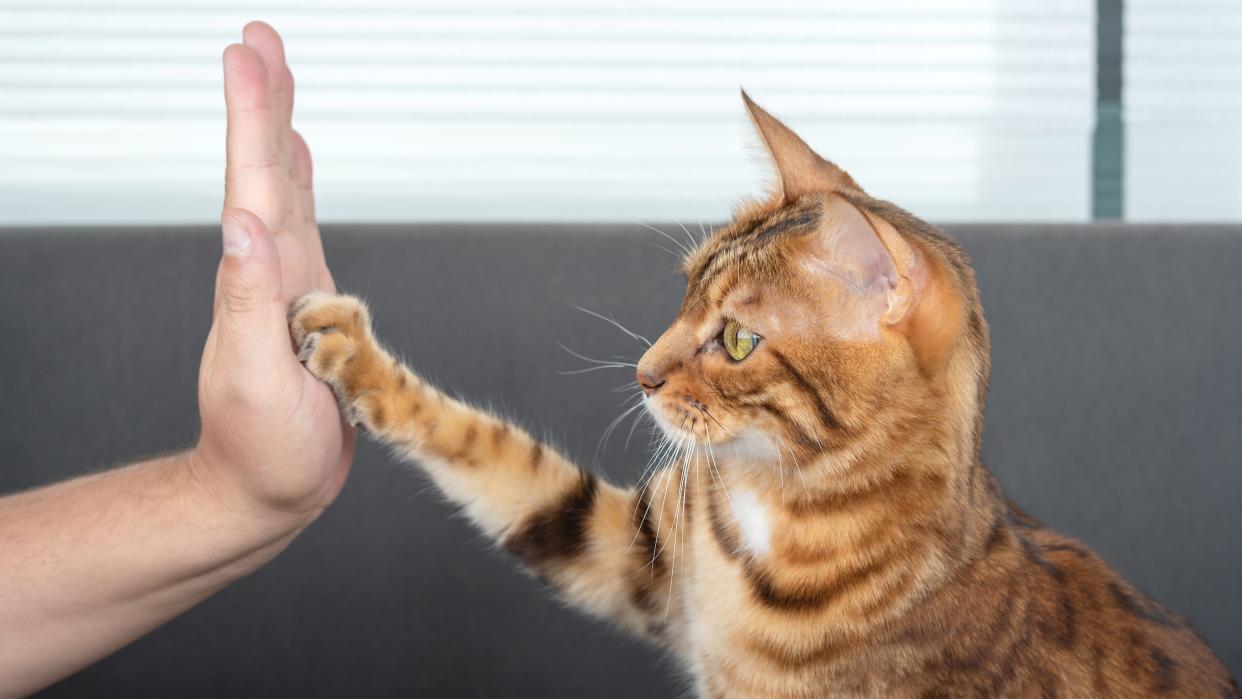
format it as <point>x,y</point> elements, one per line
<point>260,407</point>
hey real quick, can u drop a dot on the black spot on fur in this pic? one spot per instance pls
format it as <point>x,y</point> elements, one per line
<point>379,417</point>
<point>1164,676</point>
<point>1018,517</point>
<point>649,566</point>
<point>646,543</point>
<point>1141,608</point>
<point>1033,555</point>
<point>728,542</point>
<point>1067,548</point>
<point>559,532</point>
<point>996,536</point>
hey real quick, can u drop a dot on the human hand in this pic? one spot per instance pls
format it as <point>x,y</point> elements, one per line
<point>272,435</point>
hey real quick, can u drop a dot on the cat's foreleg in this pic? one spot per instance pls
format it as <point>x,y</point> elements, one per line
<point>597,543</point>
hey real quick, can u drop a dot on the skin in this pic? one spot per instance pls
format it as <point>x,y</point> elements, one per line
<point>93,563</point>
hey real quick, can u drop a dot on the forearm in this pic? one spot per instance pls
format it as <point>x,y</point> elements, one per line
<point>602,546</point>
<point>93,563</point>
<point>598,544</point>
<point>593,541</point>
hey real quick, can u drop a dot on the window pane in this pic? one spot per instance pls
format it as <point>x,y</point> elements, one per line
<point>1183,110</point>
<point>557,110</point>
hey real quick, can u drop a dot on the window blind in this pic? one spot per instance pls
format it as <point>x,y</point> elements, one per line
<point>616,110</point>
<point>1182,91</point>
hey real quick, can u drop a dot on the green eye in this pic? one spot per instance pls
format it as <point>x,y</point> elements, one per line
<point>738,341</point>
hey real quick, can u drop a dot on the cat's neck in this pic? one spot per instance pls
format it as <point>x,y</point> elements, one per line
<point>923,482</point>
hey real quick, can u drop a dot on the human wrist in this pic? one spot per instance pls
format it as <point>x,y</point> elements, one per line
<point>215,480</point>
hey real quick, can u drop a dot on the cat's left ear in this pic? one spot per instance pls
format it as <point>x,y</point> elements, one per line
<point>801,170</point>
<point>875,259</point>
<point>906,289</point>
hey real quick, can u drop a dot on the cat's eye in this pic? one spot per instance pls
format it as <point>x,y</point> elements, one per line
<point>738,341</point>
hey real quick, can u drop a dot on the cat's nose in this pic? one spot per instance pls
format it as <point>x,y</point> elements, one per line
<point>650,384</point>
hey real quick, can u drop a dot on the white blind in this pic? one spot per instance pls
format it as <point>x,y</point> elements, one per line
<point>1182,91</point>
<point>112,111</point>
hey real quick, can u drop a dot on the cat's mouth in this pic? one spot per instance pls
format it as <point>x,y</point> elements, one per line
<point>684,418</point>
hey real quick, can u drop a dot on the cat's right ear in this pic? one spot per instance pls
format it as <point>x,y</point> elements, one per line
<point>801,171</point>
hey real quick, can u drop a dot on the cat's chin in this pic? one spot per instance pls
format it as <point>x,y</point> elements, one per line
<point>750,445</point>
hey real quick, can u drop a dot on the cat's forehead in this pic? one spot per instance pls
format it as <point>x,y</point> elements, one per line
<point>750,249</point>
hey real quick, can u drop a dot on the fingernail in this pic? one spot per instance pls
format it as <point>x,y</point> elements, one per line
<point>236,237</point>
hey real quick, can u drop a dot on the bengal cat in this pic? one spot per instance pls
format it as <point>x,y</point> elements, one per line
<point>827,527</point>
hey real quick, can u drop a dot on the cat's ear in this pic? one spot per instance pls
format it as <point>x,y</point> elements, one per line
<point>875,260</point>
<point>801,170</point>
<point>895,285</point>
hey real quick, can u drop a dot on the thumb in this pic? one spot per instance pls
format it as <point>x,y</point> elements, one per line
<point>249,310</point>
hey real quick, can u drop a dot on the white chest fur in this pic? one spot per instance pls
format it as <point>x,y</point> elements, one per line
<point>753,523</point>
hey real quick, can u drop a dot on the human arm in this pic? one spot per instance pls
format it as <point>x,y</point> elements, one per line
<point>90,564</point>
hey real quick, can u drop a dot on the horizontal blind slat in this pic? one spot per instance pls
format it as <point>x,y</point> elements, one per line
<point>563,110</point>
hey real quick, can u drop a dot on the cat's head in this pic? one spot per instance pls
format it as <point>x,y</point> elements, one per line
<point>820,321</point>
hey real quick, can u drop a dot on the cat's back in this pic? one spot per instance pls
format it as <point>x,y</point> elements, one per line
<point>1040,614</point>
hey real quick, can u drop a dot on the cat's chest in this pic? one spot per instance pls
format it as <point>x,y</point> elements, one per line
<point>731,544</point>
<point>753,520</point>
<point>735,631</point>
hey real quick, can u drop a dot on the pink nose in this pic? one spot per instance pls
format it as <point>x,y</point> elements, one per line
<point>650,384</point>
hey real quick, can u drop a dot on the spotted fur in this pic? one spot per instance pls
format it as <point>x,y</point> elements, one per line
<point>876,556</point>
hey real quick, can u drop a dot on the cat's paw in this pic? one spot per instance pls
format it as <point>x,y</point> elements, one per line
<point>332,334</point>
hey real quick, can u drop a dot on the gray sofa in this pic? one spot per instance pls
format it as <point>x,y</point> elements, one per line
<point>1114,415</point>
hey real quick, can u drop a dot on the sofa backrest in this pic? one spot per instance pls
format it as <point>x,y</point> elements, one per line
<point>1114,416</point>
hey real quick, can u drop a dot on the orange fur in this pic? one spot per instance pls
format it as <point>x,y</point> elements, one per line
<point>833,531</point>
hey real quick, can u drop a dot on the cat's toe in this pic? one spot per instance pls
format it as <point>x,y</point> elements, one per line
<point>307,346</point>
<point>328,330</point>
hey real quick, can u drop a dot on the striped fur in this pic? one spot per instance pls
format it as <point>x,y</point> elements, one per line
<point>833,530</point>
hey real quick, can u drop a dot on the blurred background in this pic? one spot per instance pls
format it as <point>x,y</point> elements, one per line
<point>111,111</point>
<point>480,163</point>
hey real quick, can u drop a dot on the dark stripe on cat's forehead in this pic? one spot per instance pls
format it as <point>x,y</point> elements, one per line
<point>750,241</point>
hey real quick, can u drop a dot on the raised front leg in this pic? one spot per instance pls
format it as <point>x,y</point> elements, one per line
<point>604,548</point>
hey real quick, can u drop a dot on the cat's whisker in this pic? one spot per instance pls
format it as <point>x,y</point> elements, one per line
<point>614,322</point>
<point>671,252</point>
<point>598,363</point>
<point>593,360</point>
<point>587,370</point>
<point>637,421</point>
<point>603,440</point>
<point>673,240</point>
<point>689,235</point>
<point>798,470</point>
<point>682,442</point>
<point>711,464</point>
<point>703,233</point>
<point>659,548</point>
<point>678,526</point>
<point>641,487</point>
<point>780,466</point>
<point>654,466</point>
<point>713,419</point>
<point>797,463</point>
